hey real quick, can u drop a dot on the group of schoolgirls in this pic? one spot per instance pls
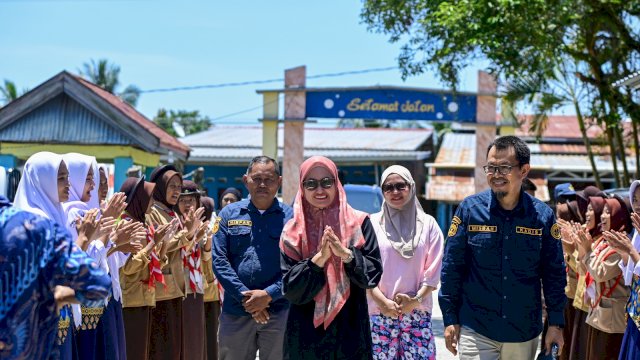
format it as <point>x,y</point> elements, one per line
<point>152,237</point>
<point>600,239</point>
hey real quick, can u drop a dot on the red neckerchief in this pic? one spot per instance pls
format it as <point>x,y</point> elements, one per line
<point>189,261</point>
<point>155,273</point>
<point>601,246</point>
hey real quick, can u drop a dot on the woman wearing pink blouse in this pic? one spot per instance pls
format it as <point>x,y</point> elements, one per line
<point>411,246</point>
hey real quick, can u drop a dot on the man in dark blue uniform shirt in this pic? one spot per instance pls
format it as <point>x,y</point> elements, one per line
<point>503,244</point>
<point>246,261</point>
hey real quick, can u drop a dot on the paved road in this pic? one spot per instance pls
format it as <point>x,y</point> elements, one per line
<point>438,330</point>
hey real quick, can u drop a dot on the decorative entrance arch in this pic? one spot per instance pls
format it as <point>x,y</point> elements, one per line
<point>376,102</point>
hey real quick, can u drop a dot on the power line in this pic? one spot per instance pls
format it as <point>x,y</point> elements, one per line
<point>257,82</point>
<point>245,110</point>
<point>211,86</point>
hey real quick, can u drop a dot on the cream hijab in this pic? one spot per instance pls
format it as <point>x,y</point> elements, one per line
<point>403,226</point>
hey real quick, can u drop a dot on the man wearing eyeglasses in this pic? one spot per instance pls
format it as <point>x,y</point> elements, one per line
<point>246,260</point>
<point>503,244</point>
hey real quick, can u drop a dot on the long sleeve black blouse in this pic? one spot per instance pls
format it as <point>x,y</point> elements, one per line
<point>349,334</point>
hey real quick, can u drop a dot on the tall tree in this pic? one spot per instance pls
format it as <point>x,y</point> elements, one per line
<point>106,75</point>
<point>545,96</point>
<point>523,38</point>
<point>9,92</point>
<point>189,122</point>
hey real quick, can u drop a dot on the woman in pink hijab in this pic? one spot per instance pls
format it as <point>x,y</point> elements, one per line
<point>329,258</point>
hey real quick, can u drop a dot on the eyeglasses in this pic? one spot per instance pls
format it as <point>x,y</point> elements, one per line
<point>500,169</point>
<point>401,186</point>
<point>312,184</point>
<point>266,181</point>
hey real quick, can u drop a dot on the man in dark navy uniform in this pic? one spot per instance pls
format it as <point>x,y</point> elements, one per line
<point>503,244</point>
<point>246,261</point>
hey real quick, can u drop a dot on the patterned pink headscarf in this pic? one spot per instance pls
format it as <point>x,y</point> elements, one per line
<point>301,238</point>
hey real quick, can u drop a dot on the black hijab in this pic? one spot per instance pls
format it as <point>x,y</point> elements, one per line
<point>161,177</point>
<point>139,194</point>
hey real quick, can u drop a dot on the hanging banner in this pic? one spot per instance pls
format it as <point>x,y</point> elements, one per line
<point>392,104</point>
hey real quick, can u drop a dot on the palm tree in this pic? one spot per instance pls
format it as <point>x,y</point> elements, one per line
<point>105,75</point>
<point>9,92</point>
<point>548,93</point>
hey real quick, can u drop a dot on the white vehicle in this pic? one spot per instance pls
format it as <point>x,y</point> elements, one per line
<point>9,179</point>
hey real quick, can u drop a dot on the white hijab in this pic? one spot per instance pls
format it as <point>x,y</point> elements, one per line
<point>78,166</point>
<point>38,188</point>
<point>403,226</point>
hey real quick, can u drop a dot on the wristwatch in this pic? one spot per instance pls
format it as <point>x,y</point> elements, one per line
<point>348,258</point>
<point>419,298</point>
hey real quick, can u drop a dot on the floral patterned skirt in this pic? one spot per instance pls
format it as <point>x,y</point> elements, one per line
<point>407,337</point>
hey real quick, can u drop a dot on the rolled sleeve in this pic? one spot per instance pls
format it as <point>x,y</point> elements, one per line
<point>628,270</point>
<point>98,252</point>
<point>206,255</point>
<point>275,291</point>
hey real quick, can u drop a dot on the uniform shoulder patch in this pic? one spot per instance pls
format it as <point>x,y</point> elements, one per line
<point>555,231</point>
<point>216,225</point>
<point>453,229</point>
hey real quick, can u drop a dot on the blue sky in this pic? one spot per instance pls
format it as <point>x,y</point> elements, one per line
<point>163,44</point>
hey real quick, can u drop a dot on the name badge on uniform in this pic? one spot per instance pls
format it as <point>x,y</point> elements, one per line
<point>238,223</point>
<point>482,228</point>
<point>528,231</point>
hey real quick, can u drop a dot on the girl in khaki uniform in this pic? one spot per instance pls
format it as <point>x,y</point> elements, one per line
<point>194,256</point>
<point>567,213</point>
<point>166,323</point>
<point>141,273</point>
<point>607,313</point>
<point>591,214</point>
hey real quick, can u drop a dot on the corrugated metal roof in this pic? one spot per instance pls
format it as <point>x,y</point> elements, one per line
<point>240,144</point>
<point>90,103</point>
<point>575,162</point>
<point>457,151</point>
<point>317,138</point>
<point>61,120</point>
<point>244,154</point>
<point>165,138</point>
<point>632,81</point>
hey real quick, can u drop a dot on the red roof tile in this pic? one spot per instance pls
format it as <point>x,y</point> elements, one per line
<point>559,126</point>
<point>165,138</point>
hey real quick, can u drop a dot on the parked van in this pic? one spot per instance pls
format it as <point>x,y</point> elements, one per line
<point>367,198</point>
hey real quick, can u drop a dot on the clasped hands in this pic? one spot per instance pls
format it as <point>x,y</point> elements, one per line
<point>256,303</point>
<point>401,304</point>
<point>329,245</point>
